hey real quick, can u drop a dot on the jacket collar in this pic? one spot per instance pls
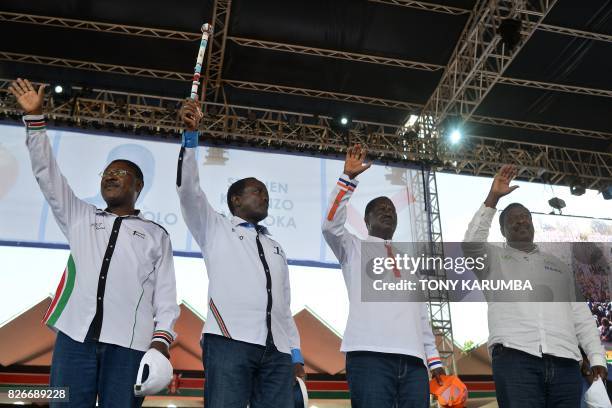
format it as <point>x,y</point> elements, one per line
<point>239,222</point>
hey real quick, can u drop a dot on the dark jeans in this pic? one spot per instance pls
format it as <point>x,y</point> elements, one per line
<point>239,373</point>
<point>92,369</point>
<point>383,380</point>
<point>526,381</point>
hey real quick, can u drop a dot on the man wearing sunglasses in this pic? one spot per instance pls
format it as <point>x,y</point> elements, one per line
<point>117,297</point>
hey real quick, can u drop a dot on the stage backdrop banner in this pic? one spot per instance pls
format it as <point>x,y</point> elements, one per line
<point>299,188</point>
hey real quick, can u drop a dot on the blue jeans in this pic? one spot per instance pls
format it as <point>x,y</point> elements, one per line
<point>526,381</point>
<point>383,380</point>
<point>239,373</point>
<point>92,369</point>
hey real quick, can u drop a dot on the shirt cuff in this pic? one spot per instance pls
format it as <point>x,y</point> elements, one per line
<point>597,360</point>
<point>346,183</point>
<point>434,362</point>
<point>190,138</point>
<point>35,122</point>
<point>163,337</point>
<point>296,356</point>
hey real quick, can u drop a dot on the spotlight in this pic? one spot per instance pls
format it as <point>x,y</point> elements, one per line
<point>455,136</point>
<point>341,123</point>
<point>577,188</point>
<point>61,92</point>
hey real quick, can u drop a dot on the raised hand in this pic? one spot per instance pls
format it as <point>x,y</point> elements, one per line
<point>354,163</point>
<point>501,185</point>
<point>30,100</point>
<point>191,114</point>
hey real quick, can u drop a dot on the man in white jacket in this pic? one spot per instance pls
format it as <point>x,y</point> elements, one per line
<point>117,297</point>
<point>534,345</point>
<point>389,345</point>
<point>251,346</point>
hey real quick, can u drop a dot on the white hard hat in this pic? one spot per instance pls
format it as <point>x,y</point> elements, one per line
<point>154,374</point>
<point>300,393</point>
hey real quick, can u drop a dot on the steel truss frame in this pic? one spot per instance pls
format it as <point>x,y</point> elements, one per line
<point>159,74</point>
<point>437,8</point>
<point>338,54</point>
<point>289,90</point>
<point>98,26</point>
<point>267,128</point>
<point>94,66</point>
<point>540,127</point>
<point>348,56</point>
<point>212,87</point>
<point>429,230</point>
<point>479,60</point>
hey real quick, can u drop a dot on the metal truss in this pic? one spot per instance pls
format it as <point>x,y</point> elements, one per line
<point>349,56</point>
<point>422,5</point>
<point>216,51</point>
<point>289,90</point>
<point>274,129</point>
<point>428,228</point>
<point>555,87</point>
<point>575,33</point>
<point>480,58</point>
<point>344,55</point>
<point>482,156</point>
<point>540,127</point>
<point>94,66</point>
<point>222,16</point>
<point>98,26</point>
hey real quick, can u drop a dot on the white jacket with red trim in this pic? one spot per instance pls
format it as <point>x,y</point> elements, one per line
<point>237,291</point>
<point>120,268</point>
<point>386,327</point>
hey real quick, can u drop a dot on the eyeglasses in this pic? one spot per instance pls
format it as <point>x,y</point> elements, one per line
<point>114,172</point>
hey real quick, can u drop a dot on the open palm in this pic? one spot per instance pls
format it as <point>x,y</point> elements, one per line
<point>354,164</point>
<point>29,100</point>
<point>501,182</point>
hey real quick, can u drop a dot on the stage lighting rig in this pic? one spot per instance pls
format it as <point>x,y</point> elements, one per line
<point>577,188</point>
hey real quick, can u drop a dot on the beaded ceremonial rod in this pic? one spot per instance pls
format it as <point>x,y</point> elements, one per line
<point>195,84</point>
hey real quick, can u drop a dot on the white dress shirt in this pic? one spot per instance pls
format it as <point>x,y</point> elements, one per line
<point>386,327</point>
<point>237,290</point>
<point>120,279</point>
<point>555,328</point>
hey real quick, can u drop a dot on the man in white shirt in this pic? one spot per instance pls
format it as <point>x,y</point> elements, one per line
<point>388,345</point>
<point>117,297</point>
<point>250,342</point>
<point>534,345</point>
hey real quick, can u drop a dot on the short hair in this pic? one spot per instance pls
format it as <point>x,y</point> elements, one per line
<point>504,213</point>
<point>372,203</point>
<point>137,172</point>
<point>236,189</point>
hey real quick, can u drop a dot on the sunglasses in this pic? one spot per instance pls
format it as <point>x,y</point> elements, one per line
<point>114,172</point>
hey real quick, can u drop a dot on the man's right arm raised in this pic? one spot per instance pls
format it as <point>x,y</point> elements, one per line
<point>197,212</point>
<point>474,241</point>
<point>63,202</point>
<point>335,233</point>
